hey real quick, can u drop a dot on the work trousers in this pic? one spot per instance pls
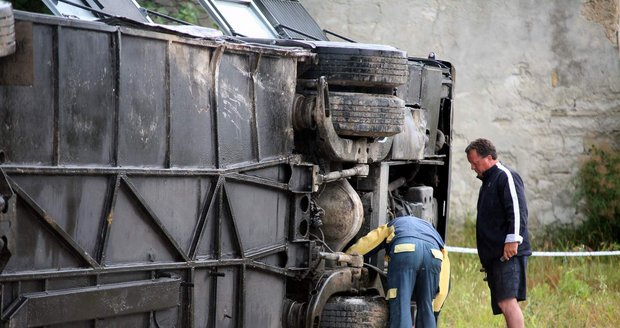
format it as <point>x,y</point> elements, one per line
<point>413,270</point>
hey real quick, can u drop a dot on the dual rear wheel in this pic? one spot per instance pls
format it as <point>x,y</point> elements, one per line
<point>355,311</point>
<point>362,79</point>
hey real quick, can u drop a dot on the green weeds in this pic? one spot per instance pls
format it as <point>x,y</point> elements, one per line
<point>598,192</point>
<point>183,10</point>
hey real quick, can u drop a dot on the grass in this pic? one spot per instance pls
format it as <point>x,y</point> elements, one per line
<point>562,291</point>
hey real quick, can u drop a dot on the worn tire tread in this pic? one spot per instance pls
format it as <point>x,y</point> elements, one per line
<point>361,70</point>
<point>355,311</point>
<point>366,115</point>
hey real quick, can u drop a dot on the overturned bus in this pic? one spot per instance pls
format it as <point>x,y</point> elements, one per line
<point>180,176</point>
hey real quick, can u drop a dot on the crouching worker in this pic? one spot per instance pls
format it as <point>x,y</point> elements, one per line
<point>418,265</point>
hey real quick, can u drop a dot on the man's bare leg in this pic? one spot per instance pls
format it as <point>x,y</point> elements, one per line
<point>512,313</point>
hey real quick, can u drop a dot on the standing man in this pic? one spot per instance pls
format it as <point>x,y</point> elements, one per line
<point>418,262</point>
<point>501,230</point>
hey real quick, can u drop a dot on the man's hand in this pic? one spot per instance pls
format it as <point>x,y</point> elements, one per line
<point>510,250</point>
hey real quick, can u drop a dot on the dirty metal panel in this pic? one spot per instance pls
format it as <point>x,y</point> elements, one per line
<point>277,259</point>
<point>177,201</point>
<point>201,294</point>
<point>18,68</point>
<point>134,237</point>
<point>264,298</point>
<point>132,114</point>
<point>410,92</point>
<point>86,97</point>
<point>302,178</point>
<point>227,295</point>
<point>76,203</point>
<point>275,92</point>
<point>191,88</point>
<point>65,283</point>
<point>129,320</point>
<point>430,98</point>
<point>7,219</point>
<point>36,248</point>
<point>12,291</point>
<point>122,277</point>
<point>55,307</point>
<point>143,119</point>
<point>297,254</point>
<point>280,173</point>
<point>235,110</point>
<point>258,226</point>
<point>28,111</point>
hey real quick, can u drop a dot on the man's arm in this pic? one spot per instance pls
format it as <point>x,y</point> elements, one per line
<point>512,196</point>
<point>371,241</point>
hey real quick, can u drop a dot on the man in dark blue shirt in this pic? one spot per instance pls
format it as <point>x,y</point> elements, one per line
<point>501,230</point>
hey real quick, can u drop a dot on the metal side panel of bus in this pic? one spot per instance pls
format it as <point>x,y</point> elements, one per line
<point>135,170</point>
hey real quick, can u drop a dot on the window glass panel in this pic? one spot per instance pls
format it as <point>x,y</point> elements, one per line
<point>244,18</point>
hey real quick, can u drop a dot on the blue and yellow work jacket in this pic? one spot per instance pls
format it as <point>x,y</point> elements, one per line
<point>408,226</point>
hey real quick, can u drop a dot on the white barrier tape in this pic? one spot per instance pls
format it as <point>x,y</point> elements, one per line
<point>601,253</point>
<point>462,250</point>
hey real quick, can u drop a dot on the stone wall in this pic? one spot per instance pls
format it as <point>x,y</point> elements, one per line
<point>539,78</point>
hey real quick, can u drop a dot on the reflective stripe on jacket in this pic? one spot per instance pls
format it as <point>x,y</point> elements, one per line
<point>408,226</point>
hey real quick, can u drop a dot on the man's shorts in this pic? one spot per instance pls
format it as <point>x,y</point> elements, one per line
<point>507,280</point>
